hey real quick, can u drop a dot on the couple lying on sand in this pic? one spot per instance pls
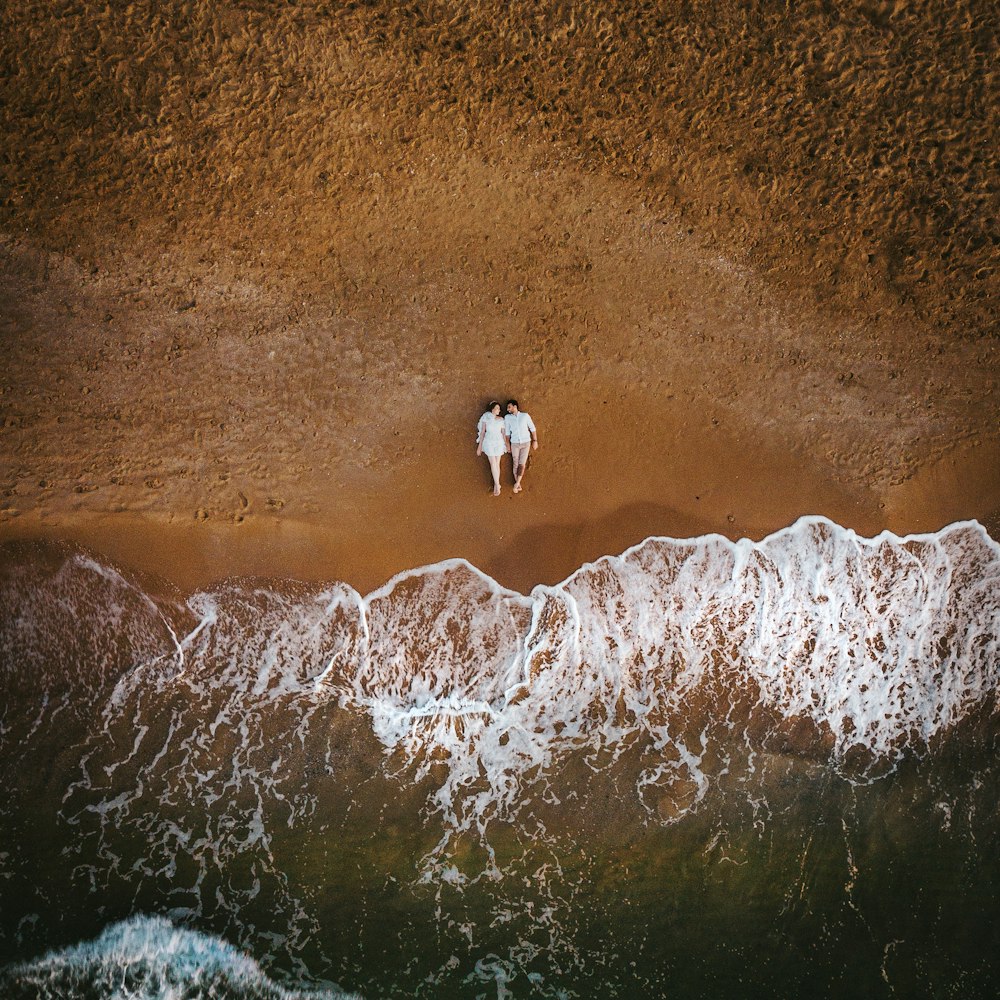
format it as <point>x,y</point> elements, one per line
<point>497,435</point>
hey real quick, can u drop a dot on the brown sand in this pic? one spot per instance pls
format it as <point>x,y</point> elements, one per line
<point>263,268</point>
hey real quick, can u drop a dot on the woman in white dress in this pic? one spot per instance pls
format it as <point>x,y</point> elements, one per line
<point>491,441</point>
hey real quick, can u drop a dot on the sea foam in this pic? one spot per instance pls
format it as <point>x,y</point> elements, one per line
<point>879,645</point>
<point>867,646</point>
<point>149,958</point>
<point>221,732</point>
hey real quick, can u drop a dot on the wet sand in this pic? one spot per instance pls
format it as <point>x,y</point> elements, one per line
<point>253,306</point>
<point>188,476</point>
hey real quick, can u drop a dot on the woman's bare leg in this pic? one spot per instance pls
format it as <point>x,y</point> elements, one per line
<point>495,469</point>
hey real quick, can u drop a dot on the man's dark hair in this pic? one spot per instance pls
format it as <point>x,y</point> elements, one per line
<point>512,402</point>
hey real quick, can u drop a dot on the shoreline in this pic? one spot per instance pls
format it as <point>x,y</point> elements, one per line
<point>526,547</point>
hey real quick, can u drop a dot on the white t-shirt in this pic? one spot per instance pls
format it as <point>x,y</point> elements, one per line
<point>520,427</point>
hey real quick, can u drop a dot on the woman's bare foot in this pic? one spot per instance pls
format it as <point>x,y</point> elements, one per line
<point>496,491</point>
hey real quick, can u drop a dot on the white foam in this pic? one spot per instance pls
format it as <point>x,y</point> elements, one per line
<point>148,958</point>
<point>656,658</point>
<point>883,644</point>
<point>884,641</point>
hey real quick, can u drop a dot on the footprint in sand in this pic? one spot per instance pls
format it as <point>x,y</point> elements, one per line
<point>275,503</point>
<point>153,482</point>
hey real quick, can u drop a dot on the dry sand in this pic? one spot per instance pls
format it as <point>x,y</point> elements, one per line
<point>262,268</point>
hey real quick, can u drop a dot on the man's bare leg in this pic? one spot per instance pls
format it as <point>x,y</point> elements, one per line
<point>519,471</point>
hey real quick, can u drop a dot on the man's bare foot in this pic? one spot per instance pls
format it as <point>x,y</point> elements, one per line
<point>517,487</point>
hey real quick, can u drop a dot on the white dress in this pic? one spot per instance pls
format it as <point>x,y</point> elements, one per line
<point>493,443</point>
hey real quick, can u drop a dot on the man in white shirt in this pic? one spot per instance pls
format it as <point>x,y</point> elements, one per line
<point>523,436</point>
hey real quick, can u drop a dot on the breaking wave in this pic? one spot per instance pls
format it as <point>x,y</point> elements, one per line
<point>148,958</point>
<point>814,639</point>
<point>273,761</point>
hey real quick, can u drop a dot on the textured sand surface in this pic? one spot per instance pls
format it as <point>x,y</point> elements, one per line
<point>262,266</point>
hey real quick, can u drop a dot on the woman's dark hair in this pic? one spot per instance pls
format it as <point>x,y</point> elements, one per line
<point>512,402</point>
<point>491,404</point>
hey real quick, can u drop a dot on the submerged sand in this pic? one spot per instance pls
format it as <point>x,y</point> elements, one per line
<point>262,269</point>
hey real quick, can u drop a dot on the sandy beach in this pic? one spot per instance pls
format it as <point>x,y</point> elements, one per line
<point>261,271</point>
<point>262,267</point>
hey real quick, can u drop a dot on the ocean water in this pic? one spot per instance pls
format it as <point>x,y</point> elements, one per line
<point>698,769</point>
